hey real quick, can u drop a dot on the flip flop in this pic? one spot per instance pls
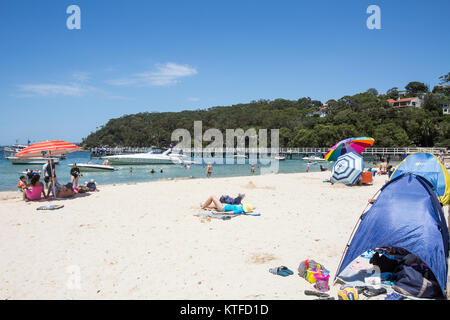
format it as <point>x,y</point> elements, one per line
<point>372,292</point>
<point>281,271</point>
<point>317,294</point>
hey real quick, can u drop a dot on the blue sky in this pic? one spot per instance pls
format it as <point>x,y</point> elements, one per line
<point>145,55</point>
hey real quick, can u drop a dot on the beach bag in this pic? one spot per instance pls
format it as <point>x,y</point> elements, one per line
<point>91,186</point>
<point>83,189</point>
<point>411,282</point>
<point>313,273</point>
<point>308,267</point>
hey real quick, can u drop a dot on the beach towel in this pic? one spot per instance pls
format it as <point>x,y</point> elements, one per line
<point>225,216</point>
<point>51,207</point>
<point>216,216</point>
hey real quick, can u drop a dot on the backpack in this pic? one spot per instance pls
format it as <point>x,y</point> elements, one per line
<point>411,282</point>
<point>91,186</point>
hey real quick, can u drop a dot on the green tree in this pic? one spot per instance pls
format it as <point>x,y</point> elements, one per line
<point>415,87</point>
<point>372,91</point>
<point>445,78</point>
<point>393,93</point>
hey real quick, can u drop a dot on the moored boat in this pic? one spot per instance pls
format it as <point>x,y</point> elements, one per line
<point>36,160</point>
<point>92,167</point>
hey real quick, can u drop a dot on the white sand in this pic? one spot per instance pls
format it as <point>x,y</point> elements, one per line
<point>141,241</point>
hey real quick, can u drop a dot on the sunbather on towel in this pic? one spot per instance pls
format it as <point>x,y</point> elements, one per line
<point>213,202</point>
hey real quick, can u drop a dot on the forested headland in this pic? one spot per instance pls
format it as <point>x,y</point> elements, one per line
<point>302,123</point>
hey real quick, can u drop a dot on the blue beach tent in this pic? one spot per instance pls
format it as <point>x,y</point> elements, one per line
<point>429,167</point>
<point>407,214</point>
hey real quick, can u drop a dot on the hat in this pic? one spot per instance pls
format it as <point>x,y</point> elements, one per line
<point>248,208</point>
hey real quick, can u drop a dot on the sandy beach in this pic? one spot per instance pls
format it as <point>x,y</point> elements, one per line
<point>142,241</point>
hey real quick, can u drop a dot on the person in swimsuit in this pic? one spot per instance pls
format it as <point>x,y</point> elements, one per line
<point>75,173</point>
<point>37,188</point>
<point>223,208</point>
<point>22,184</point>
<point>209,171</point>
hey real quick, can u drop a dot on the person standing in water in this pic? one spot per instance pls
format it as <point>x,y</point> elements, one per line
<point>253,169</point>
<point>209,171</point>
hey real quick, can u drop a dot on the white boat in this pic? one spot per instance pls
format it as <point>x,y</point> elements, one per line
<point>92,167</point>
<point>313,158</point>
<point>167,157</point>
<point>280,158</point>
<point>10,151</point>
<point>36,160</point>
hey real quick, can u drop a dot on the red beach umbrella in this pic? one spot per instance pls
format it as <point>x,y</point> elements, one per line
<point>47,149</point>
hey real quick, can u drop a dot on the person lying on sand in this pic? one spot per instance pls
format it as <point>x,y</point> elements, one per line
<point>64,191</point>
<point>214,203</point>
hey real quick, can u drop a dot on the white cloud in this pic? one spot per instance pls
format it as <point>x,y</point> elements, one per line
<point>73,90</point>
<point>81,76</point>
<point>165,75</point>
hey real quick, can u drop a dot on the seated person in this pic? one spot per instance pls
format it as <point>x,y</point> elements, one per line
<point>37,189</point>
<point>22,183</point>
<point>64,191</point>
<point>226,208</point>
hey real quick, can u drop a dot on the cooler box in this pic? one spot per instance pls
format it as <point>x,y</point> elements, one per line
<point>366,177</point>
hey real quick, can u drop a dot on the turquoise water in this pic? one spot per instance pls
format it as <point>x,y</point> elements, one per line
<point>9,174</point>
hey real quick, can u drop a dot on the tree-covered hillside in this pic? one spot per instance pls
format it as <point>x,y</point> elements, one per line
<point>300,121</point>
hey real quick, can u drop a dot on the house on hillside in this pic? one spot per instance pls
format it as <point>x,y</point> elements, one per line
<point>445,108</point>
<point>322,112</point>
<point>406,102</point>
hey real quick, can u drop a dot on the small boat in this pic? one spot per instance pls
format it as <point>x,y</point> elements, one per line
<point>280,158</point>
<point>93,167</point>
<point>313,158</point>
<point>37,160</point>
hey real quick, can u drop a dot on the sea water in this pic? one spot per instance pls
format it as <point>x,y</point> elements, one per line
<point>9,173</point>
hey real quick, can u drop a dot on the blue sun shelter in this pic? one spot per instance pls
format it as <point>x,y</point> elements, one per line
<point>407,214</point>
<point>347,169</point>
<point>429,167</point>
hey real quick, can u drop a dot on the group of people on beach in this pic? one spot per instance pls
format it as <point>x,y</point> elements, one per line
<point>33,189</point>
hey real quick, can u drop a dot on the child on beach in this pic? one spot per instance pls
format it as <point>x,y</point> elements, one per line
<point>22,184</point>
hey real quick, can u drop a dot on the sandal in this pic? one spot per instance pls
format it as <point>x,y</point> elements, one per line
<point>372,292</point>
<point>316,293</point>
<point>281,271</point>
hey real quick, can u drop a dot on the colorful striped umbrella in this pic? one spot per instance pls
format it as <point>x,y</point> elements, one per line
<point>347,169</point>
<point>356,145</point>
<point>47,149</point>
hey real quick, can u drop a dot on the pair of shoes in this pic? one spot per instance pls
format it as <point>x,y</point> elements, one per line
<point>372,292</point>
<point>317,294</point>
<point>281,271</point>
